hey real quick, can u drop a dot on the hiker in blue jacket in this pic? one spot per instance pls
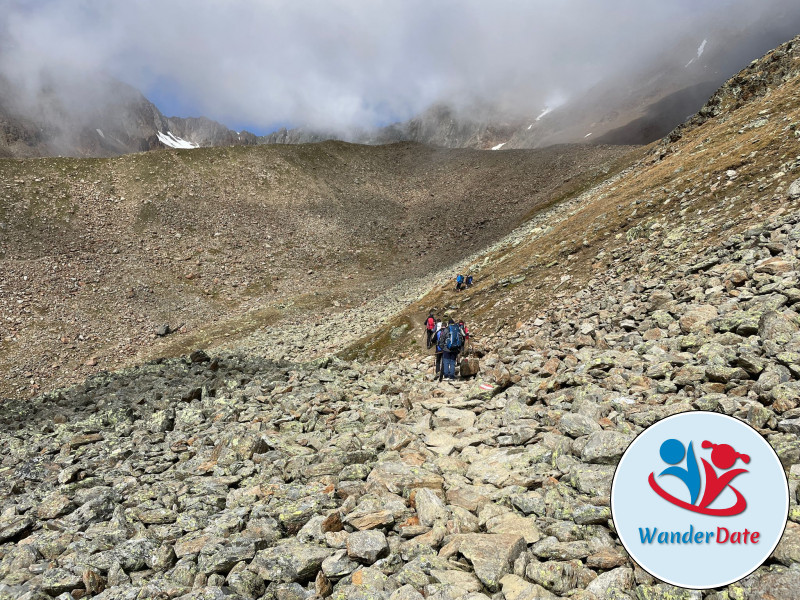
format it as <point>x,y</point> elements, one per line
<point>452,345</point>
<point>459,282</point>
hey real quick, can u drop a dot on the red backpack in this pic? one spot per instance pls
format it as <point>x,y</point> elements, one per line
<point>431,323</point>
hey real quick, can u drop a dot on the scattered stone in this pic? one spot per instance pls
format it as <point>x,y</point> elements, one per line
<point>491,555</point>
<point>288,562</point>
<point>58,581</point>
<point>367,546</point>
<point>230,474</point>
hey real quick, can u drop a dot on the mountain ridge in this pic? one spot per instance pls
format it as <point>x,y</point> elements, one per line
<point>81,114</point>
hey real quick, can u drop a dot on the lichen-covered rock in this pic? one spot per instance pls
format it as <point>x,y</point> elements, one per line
<point>367,546</point>
<point>611,583</point>
<point>57,581</point>
<point>491,555</point>
<point>289,561</point>
<point>430,507</point>
<point>605,447</point>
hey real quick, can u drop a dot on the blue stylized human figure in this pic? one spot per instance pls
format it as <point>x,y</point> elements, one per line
<point>672,452</point>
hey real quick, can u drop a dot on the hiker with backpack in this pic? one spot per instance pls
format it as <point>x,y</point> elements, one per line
<point>469,281</point>
<point>464,332</point>
<point>459,282</point>
<point>430,325</point>
<point>453,344</point>
<point>438,341</point>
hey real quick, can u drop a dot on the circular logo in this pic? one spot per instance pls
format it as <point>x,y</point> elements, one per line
<point>699,500</point>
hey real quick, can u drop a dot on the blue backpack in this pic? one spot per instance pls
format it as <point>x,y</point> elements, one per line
<point>440,337</point>
<point>454,339</point>
<point>460,279</point>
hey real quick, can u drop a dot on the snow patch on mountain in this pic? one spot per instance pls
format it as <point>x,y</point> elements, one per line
<point>100,133</point>
<point>173,141</point>
<point>499,146</point>
<point>700,51</point>
<point>544,112</point>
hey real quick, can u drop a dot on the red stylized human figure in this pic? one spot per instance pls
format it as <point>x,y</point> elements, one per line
<point>724,457</point>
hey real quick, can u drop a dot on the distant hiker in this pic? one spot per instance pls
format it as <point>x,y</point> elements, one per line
<point>469,280</point>
<point>453,344</point>
<point>459,282</point>
<point>430,326</point>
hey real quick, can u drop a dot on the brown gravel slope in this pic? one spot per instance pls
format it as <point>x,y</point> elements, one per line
<point>96,254</point>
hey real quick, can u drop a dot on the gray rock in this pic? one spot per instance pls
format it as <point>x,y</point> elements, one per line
<point>516,588</point>
<point>577,425</point>
<point>610,584</point>
<point>788,550</point>
<point>512,523</point>
<point>430,507</point>
<point>558,577</point>
<point>406,592</point>
<point>492,555</point>
<point>245,582</point>
<point>663,591</point>
<point>367,546</point>
<point>338,565</point>
<point>794,190</point>
<point>57,581</point>
<point>789,425</point>
<point>775,327</point>
<point>15,525</point>
<point>220,558</point>
<point>117,576</point>
<point>772,582</point>
<point>399,476</point>
<point>289,561</point>
<point>594,480</point>
<point>453,417</point>
<point>606,447</point>
<point>550,548</point>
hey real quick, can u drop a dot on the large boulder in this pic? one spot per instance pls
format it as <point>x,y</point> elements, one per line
<point>492,555</point>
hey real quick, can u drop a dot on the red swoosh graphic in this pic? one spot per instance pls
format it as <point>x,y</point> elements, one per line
<point>737,508</point>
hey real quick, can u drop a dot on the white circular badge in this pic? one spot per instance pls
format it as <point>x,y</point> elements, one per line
<point>699,500</point>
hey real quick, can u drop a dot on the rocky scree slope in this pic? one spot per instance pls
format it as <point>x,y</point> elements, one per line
<point>235,476</point>
<point>229,476</point>
<point>95,255</point>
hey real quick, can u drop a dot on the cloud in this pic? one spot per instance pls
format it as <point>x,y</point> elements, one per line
<point>356,63</point>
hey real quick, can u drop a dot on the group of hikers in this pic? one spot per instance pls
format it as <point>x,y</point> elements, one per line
<point>449,340</point>
<point>463,282</point>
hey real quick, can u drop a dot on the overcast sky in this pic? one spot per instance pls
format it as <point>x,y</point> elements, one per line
<point>345,63</point>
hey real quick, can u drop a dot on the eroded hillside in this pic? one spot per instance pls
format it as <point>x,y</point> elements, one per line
<point>729,167</point>
<point>95,255</point>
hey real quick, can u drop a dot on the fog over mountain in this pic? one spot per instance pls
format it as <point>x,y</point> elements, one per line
<point>353,65</point>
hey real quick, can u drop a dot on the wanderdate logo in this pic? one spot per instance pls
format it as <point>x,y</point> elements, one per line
<point>699,500</point>
<point>723,457</point>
